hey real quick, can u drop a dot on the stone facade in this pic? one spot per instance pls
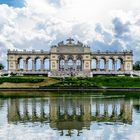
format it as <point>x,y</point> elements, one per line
<point>70,59</point>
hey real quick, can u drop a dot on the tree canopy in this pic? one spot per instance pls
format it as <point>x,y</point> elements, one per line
<point>1,66</point>
<point>136,66</point>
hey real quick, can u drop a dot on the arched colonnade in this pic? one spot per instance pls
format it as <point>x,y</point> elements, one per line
<point>107,64</point>
<point>33,64</point>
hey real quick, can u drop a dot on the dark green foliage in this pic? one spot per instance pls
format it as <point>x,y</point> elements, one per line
<point>21,79</point>
<point>136,66</point>
<point>102,81</point>
<point>1,66</point>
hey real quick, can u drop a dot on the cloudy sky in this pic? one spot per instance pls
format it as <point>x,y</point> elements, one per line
<point>38,24</point>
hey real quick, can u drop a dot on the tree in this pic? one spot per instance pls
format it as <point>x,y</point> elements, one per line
<point>136,66</point>
<point>1,66</point>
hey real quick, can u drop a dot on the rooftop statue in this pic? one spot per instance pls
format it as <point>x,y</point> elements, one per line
<point>70,40</point>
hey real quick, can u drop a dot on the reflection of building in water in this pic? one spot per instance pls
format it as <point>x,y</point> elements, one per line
<point>136,105</point>
<point>69,113</point>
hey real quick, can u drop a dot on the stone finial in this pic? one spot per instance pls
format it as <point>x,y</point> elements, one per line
<point>70,40</point>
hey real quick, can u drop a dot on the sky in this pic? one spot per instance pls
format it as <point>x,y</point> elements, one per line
<point>37,24</point>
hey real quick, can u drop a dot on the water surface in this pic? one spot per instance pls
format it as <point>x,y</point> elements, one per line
<point>69,116</point>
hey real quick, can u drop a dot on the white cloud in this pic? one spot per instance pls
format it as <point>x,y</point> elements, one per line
<point>45,23</point>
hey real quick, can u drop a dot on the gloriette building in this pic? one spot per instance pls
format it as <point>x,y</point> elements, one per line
<point>70,59</point>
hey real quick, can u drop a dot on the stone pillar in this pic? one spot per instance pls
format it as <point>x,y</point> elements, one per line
<point>66,64</point>
<point>33,65</point>
<point>49,65</point>
<point>42,65</point>
<point>24,65</point>
<point>107,65</point>
<point>98,65</point>
<point>122,66</point>
<point>57,65</point>
<point>82,65</point>
<point>113,66</point>
<point>17,66</point>
<point>74,65</point>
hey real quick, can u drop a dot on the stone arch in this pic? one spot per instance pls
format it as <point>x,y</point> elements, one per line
<point>70,57</point>
<point>70,62</point>
<point>20,62</point>
<point>37,63</point>
<point>111,64</point>
<point>102,65</point>
<point>61,57</point>
<point>46,63</point>
<point>79,57</point>
<point>94,62</point>
<point>119,64</point>
<point>29,63</point>
<point>61,64</point>
<point>78,62</point>
<point>61,60</point>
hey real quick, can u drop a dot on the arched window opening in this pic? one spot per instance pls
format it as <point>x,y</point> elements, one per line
<point>119,64</point>
<point>46,64</point>
<point>70,64</point>
<point>78,64</point>
<point>21,64</point>
<point>29,64</point>
<point>62,64</point>
<point>94,64</point>
<point>111,64</point>
<point>102,64</point>
<point>37,64</point>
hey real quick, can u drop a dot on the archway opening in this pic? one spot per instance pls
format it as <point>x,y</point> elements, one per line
<point>94,64</point>
<point>46,64</point>
<point>20,64</point>
<point>61,64</point>
<point>119,64</point>
<point>78,64</point>
<point>37,64</point>
<point>29,63</point>
<point>70,64</point>
<point>102,64</point>
<point>111,64</point>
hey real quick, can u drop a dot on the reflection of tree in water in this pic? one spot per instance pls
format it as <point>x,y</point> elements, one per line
<point>69,113</point>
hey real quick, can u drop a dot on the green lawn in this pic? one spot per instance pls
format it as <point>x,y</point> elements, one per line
<point>102,81</point>
<point>71,82</point>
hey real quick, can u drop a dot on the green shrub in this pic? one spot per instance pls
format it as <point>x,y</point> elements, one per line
<point>21,79</point>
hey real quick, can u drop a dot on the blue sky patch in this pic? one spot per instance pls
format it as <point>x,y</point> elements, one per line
<point>13,3</point>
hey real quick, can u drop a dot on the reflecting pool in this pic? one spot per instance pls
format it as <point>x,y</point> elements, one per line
<point>69,116</point>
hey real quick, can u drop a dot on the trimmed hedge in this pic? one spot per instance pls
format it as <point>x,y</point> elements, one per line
<point>21,79</point>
